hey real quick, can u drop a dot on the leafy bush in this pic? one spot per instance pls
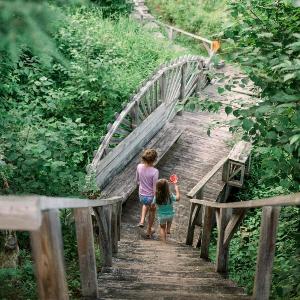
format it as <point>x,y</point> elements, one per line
<point>204,17</point>
<point>53,117</point>
<point>267,44</point>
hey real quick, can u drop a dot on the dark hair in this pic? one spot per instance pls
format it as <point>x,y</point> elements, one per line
<point>162,193</point>
<point>149,156</point>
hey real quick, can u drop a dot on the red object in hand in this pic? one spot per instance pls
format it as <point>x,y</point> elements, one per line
<point>173,179</point>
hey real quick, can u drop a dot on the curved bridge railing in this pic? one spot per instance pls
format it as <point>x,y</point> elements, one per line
<point>149,109</point>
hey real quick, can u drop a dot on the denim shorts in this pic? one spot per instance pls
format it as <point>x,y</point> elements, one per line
<point>146,200</point>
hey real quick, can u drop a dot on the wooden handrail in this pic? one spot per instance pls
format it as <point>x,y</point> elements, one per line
<point>194,36</point>
<point>283,200</point>
<point>195,190</point>
<point>150,108</point>
<point>40,216</point>
<point>59,202</point>
<point>228,217</point>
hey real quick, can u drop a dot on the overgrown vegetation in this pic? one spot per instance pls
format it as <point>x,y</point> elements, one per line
<point>266,43</point>
<point>61,84</point>
<point>53,116</point>
<point>203,17</point>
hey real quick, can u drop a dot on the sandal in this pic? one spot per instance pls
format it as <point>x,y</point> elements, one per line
<point>141,225</point>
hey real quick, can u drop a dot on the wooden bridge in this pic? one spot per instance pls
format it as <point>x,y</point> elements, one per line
<point>208,169</point>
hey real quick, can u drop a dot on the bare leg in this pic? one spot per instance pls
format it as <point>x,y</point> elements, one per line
<point>163,233</point>
<point>169,223</point>
<point>145,209</point>
<point>151,219</point>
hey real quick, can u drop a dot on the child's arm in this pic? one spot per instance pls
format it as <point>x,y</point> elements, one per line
<point>155,178</point>
<point>177,192</point>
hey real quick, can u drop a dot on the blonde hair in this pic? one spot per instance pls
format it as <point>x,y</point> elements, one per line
<point>149,156</point>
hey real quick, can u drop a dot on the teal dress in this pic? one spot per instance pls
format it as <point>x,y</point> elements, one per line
<point>165,212</point>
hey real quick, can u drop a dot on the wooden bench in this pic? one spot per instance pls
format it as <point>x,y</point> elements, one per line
<point>124,184</point>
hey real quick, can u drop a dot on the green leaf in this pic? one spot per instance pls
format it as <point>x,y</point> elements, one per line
<point>221,90</point>
<point>247,124</point>
<point>228,110</point>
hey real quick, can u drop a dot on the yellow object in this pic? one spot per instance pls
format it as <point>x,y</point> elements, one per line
<point>215,46</point>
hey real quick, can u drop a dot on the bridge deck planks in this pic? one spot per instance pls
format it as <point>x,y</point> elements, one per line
<point>147,269</point>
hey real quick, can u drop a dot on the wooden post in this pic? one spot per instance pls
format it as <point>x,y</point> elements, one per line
<point>86,252</point>
<point>119,219</point>
<point>222,250</point>
<point>171,34</point>
<point>266,252</point>
<point>103,216</point>
<point>47,247</point>
<point>198,83</point>
<point>114,228</point>
<point>191,227</point>
<point>206,234</point>
<point>163,87</point>
<point>183,82</point>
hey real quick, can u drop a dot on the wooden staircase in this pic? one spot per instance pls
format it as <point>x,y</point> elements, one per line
<point>149,269</point>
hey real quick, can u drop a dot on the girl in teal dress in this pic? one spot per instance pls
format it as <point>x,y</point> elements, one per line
<point>164,200</point>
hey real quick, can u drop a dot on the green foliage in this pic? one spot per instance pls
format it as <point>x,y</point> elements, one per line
<point>204,17</point>
<point>18,283</point>
<point>244,245</point>
<point>53,117</point>
<point>267,45</point>
<point>114,8</point>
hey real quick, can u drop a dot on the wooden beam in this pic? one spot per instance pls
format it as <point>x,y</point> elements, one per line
<point>206,232</point>
<point>233,224</point>
<point>114,228</point>
<point>60,202</point>
<point>86,252</point>
<point>20,212</point>
<point>103,216</point>
<point>222,250</point>
<point>191,227</point>
<point>266,252</point>
<point>283,200</point>
<point>206,178</point>
<point>49,259</point>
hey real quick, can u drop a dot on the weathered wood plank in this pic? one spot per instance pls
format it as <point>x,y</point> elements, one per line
<point>206,178</point>
<point>266,252</point>
<point>240,152</point>
<point>86,252</point>
<point>60,202</point>
<point>20,212</point>
<point>222,250</point>
<point>162,142</point>
<point>49,259</point>
<point>233,224</point>
<point>206,232</point>
<point>103,216</point>
<point>117,159</point>
<point>284,200</point>
<point>114,228</point>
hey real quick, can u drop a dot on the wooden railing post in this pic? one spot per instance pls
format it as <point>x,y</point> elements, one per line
<point>119,219</point>
<point>48,256</point>
<point>163,87</point>
<point>206,232</point>
<point>183,82</point>
<point>86,252</point>
<point>104,215</point>
<point>266,252</point>
<point>222,249</point>
<point>114,228</point>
